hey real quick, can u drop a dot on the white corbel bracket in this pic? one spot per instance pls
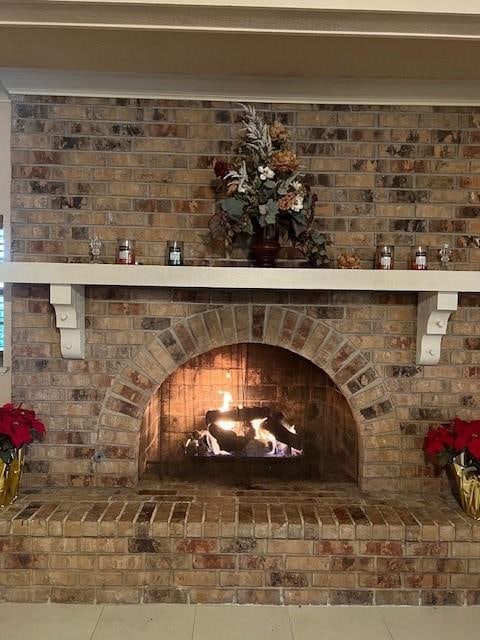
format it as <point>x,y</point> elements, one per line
<point>69,303</point>
<point>434,309</point>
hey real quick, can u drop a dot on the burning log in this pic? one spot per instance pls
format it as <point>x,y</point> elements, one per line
<point>245,414</point>
<point>245,431</point>
<point>201,443</point>
<point>257,449</point>
<point>276,425</point>
<point>227,440</point>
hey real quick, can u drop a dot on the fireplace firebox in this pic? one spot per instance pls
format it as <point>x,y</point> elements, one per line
<point>245,411</point>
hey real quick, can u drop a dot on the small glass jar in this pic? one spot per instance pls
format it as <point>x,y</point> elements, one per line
<point>385,257</point>
<point>445,255</point>
<point>95,250</point>
<point>175,253</point>
<point>126,252</point>
<point>419,259</point>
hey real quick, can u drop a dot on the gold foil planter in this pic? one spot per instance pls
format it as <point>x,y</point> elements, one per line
<point>10,475</point>
<point>468,487</point>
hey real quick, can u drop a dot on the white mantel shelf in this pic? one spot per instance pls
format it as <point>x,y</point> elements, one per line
<point>437,290</point>
<point>239,277</point>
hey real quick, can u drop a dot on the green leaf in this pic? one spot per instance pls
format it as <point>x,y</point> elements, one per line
<point>299,216</point>
<point>262,221</point>
<point>234,207</point>
<point>269,184</point>
<point>272,211</point>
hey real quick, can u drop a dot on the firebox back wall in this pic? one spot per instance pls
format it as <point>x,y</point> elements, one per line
<point>142,169</point>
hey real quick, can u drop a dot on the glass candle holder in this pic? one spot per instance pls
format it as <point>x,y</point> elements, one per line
<point>419,258</point>
<point>174,254</point>
<point>126,252</point>
<point>384,257</point>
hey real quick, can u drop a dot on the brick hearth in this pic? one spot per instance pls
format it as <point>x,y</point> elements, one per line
<point>318,544</point>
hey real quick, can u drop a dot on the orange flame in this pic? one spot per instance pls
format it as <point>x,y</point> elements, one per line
<point>263,434</point>
<point>227,400</point>
<point>228,425</point>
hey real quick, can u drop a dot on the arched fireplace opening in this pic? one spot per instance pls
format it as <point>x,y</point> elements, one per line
<point>249,410</point>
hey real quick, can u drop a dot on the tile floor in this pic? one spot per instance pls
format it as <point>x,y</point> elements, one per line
<point>227,622</point>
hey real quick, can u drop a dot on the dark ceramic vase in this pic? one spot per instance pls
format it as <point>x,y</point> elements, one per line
<point>265,246</point>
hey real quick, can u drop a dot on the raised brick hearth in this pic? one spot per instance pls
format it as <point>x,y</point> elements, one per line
<point>287,544</point>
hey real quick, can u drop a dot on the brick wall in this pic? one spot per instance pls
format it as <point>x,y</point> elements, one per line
<point>142,169</point>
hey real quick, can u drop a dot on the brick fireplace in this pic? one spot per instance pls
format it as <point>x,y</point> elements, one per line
<point>104,398</point>
<point>290,330</point>
<point>97,522</point>
<point>111,456</point>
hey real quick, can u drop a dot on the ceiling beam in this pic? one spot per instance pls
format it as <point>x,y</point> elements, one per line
<point>238,89</point>
<point>304,18</point>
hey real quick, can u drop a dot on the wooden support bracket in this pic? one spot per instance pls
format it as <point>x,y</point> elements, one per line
<point>434,309</point>
<point>69,303</point>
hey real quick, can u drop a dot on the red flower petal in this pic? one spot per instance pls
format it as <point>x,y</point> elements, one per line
<point>19,424</point>
<point>473,446</point>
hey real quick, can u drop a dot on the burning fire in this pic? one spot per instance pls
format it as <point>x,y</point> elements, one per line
<point>263,435</point>
<point>228,425</point>
<point>257,423</point>
<point>289,427</point>
<point>227,401</point>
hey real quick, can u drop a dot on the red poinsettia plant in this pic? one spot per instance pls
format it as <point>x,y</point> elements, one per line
<point>18,426</point>
<point>448,441</point>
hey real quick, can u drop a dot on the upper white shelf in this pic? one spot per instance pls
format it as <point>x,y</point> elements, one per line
<point>239,277</point>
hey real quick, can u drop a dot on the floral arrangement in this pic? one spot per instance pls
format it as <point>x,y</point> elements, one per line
<point>18,427</point>
<point>459,438</point>
<point>264,187</point>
